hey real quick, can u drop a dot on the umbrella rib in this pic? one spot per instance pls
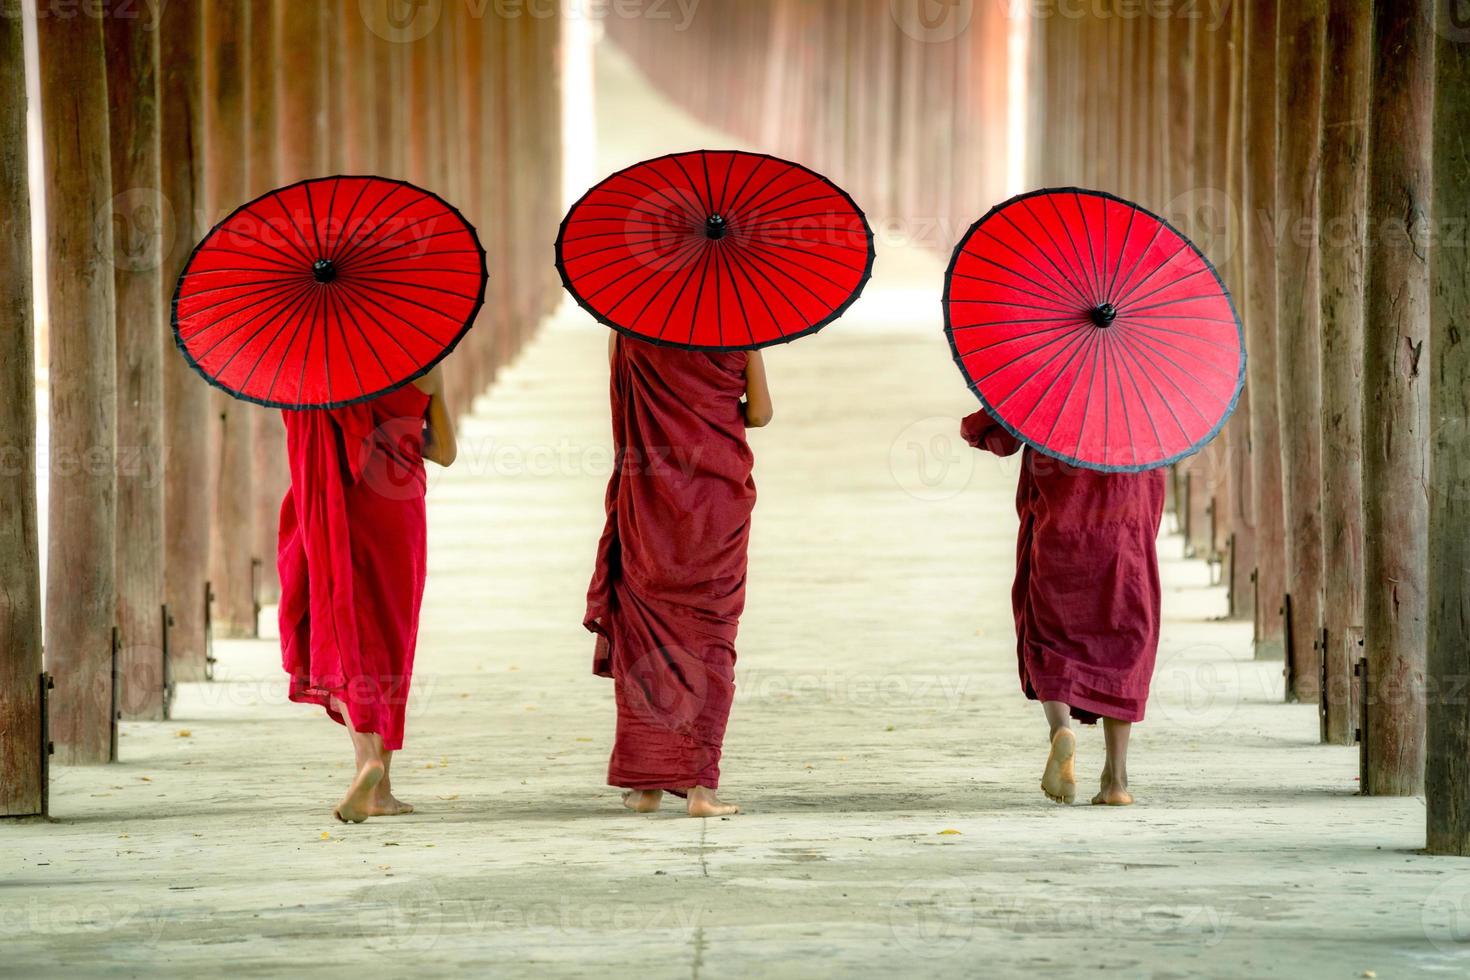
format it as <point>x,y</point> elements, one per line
<point>1076,333</point>
<point>737,263</point>
<point>1076,252</point>
<point>1151,273</point>
<point>1153,355</point>
<point>367,216</point>
<point>297,314</point>
<point>1155,344</point>
<point>347,218</point>
<point>1138,362</point>
<point>1046,290</point>
<point>1059,280</point>
<point>1158,228</point>
<point>1112,285</point>
<point>406,243</point>
<point>276,291</point>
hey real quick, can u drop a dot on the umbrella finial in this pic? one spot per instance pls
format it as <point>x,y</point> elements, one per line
<point>1104,315</point>
<point>715,227</point>
<point>323,270</point>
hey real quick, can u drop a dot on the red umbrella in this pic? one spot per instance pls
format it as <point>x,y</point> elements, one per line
<point>329,292</point>
<point>715,250</point>
<point>1094,331</point>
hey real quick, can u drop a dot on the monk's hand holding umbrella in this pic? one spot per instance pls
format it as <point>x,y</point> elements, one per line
<point>336,299</point>
<point>696,261</point>
<point>1101,341</point>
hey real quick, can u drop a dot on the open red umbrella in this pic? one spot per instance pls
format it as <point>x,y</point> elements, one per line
<point>715,250</point>
<point>329,292</point>
<point>1093,331</point>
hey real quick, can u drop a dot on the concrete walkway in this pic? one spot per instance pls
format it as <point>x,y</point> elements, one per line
<point>886,760</point>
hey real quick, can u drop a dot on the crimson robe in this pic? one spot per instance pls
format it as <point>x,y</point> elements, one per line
<point>1087,595</point>
<point>352,558</point>
<point>669,584</point>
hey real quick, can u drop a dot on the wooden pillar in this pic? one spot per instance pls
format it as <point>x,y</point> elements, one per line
<point>267,434</point>
<point>1259,196</point>
<point>1347,75</point>
<point>232,542</point>
<point>1298,331</point>
<point>81,595</point>
<point>1396,397</point>
<point>1447,763</point>
<point>187,473</point>
<point>137,228</point>
<point>22,754</point>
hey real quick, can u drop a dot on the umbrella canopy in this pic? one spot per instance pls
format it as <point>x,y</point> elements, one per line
<point>1093,331</point>
<point>715,250</point>
<point>329,292</point>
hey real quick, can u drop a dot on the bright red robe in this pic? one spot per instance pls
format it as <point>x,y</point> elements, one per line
<point>669,586</point>
<point>352,558</point>
<point>1087,595</point>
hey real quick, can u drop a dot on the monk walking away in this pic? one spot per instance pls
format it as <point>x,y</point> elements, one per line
<point>669,584</point>
<point>352,561</point>
<point>1086,600</point>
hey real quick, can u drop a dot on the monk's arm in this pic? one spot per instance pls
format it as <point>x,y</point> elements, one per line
<point>758,408</point>
<point>983,432</point>
<point>440,444</point>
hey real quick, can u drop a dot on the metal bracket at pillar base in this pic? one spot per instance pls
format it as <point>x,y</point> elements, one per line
<point>208,630</point>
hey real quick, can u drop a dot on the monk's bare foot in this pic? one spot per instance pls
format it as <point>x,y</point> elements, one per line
<point>643,800</point>
<point>1113,792</point>
<point>704,803</point>
<point>356,806</point>
<point>1059,779</point>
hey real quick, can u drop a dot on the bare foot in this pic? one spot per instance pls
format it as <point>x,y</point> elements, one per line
<point>1059,779</point>
<point>704,803</point>
<point>643,800</point>
<point>356,805</point>
<point>1112,792</point>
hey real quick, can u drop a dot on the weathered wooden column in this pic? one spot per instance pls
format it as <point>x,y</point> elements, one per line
<point>263,57</point>
<point>22,752</point>
<point>1259,196</point>
<point>1298,333</point>
<point>1447,763</point>
<point>1396,397</point>
<point>81,593</point>
<point>226,28</point>
<point>187,473</point>
<point>137,229</point>
<point>1347,77</point>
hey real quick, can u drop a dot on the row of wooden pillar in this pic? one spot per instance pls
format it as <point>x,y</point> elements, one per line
<point>906,115</point>
<point>1315,152</point>
<point>163,493</point>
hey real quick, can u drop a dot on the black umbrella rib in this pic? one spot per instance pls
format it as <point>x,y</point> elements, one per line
<point>1153,356</point>
<point>1075,335</point>
<point>381,254</point>
<point>1047,291</point>
<point>1059,280</point>
<point>1066,229</point>
<point>1138,363</point>
<point>353,238</point>
<point>347,218</point>
<point>1122,251</point>
<point>1151,273</point>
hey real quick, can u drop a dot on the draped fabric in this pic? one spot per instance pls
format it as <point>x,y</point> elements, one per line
<point>352,558</point>
<point>1086,596</point>
<point>669,584</point>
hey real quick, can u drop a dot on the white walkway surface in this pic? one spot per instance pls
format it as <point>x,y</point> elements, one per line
<point>885,757</point>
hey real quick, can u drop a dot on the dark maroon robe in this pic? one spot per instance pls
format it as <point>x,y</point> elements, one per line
<point>352,558</point>
<point>1086,596</point>
<point>669,586</point>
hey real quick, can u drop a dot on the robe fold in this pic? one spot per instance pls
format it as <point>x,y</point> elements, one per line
<point>669,583</point>
<point>1086,596</point>
<point>352,558</point>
